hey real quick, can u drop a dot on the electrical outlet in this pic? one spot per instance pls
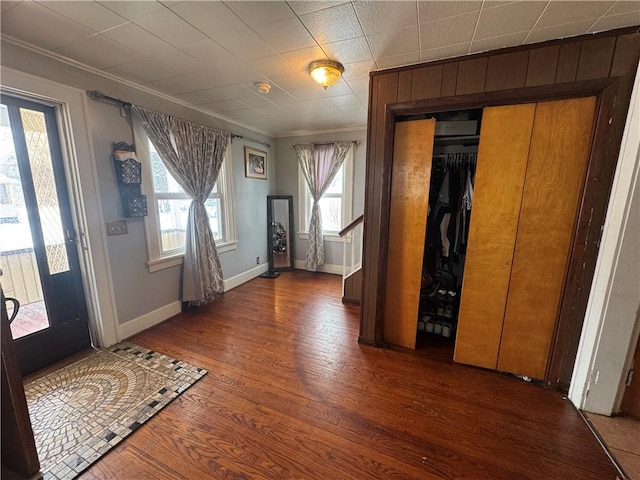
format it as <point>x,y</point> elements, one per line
<point>117,227</point>
<point>257,260</point>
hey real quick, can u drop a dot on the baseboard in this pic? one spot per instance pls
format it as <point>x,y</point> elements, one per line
<point>326,268</point>
<point>350,301</point>
<point>244,277</point>
<point>367,341</point>
<point>148,320</point>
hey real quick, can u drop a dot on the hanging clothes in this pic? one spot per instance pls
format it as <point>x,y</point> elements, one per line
<point>450,198</point>
<point>467,200</point>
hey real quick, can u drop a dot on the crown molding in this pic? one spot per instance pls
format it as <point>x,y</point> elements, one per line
<point>74,63</point>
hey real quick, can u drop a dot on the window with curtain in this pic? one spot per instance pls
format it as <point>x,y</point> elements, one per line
<point>169,207</point>
<point>335,204</point>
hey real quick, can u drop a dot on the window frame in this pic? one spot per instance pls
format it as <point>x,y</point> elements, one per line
<point>305,201</point>
<point>156,258</point>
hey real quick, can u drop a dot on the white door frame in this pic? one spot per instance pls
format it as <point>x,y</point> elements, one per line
<point>79,163</point>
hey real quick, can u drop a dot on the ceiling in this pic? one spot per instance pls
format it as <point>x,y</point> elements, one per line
<point>209,54</point>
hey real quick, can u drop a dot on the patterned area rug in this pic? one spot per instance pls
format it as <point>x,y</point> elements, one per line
<point>83,410</point>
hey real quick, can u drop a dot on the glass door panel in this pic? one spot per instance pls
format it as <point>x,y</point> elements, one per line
<point>35,133</point>
<point>21,277</point>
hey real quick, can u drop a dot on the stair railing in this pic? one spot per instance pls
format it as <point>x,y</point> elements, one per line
<point>353,235</point>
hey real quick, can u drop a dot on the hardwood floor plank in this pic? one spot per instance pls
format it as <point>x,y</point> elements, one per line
<point>290,394</point>
<point>126,462</point>
<point>291,436</point>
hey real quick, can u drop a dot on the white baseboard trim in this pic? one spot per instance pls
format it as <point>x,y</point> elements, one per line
<point>326,268</point>
<point>148,320</point>
<point>244,277</point>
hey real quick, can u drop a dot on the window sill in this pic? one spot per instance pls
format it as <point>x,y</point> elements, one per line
<point>163,263</point>
<point>328,237</point>
<point>227,246</point>
<point>158,264</point>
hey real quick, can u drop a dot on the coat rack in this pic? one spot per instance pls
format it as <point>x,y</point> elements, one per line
<point>129,175</point>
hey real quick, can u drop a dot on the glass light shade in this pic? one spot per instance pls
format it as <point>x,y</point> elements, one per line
<point>325,72</point>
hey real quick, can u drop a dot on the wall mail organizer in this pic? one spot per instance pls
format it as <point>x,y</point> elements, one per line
<point>129,175</point>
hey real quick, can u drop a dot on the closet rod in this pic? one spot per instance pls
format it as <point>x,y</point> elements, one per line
<point>101,97</point>
<point>457,156</point>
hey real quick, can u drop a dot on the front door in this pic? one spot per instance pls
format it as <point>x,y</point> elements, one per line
<point>38,254</point>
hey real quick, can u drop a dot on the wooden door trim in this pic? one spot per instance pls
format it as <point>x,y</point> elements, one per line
<point>603,158</point>
<point>503,97</point>
<point>600,170</point>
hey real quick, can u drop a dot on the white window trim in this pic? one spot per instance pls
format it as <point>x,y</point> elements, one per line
<point>155,260</point>
<point>305,201</point>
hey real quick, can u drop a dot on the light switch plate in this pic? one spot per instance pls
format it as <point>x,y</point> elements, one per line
<point>117,227</point>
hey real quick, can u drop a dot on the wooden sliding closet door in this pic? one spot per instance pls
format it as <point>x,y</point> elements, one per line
<point>410,177</point>
<point>560,149</point>
<point>502,161</point>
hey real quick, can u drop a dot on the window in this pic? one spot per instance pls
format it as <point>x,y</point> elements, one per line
<point>335,204</point>
<point>169,208</point>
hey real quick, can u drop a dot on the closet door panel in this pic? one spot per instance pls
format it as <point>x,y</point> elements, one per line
<point>502,160</point>
<point>554,181</point>
<point>410,176</point>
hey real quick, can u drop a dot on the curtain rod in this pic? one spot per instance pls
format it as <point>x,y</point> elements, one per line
<point>99,96</point>
<point>357,142</point>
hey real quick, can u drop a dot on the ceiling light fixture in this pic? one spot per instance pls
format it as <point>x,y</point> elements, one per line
<point>325,72</point>
<point>262,87</point>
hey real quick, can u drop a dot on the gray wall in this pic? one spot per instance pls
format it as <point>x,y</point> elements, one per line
<point>136,290</point>
<point>287,183</point>
<point>250,200</point>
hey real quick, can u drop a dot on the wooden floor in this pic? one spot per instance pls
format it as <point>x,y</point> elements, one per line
<point>291,394</point>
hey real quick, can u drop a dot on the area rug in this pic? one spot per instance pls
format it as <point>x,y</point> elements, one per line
<point>80,412</point>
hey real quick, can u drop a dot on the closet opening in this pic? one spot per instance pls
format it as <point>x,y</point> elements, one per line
<point>450,201</point>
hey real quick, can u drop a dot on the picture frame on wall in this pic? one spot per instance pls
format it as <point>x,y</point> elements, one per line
<point>255,163</point>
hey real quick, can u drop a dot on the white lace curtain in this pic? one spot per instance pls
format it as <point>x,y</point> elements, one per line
<point>319,164</point>
<point>193,154</point>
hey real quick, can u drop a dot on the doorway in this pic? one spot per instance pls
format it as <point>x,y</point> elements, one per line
<point>532,160</point>
<point>38,252</point>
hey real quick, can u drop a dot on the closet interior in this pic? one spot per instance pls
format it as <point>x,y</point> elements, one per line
<point>453,166</point>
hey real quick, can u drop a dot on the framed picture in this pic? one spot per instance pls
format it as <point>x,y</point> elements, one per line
<point>255,163</point>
